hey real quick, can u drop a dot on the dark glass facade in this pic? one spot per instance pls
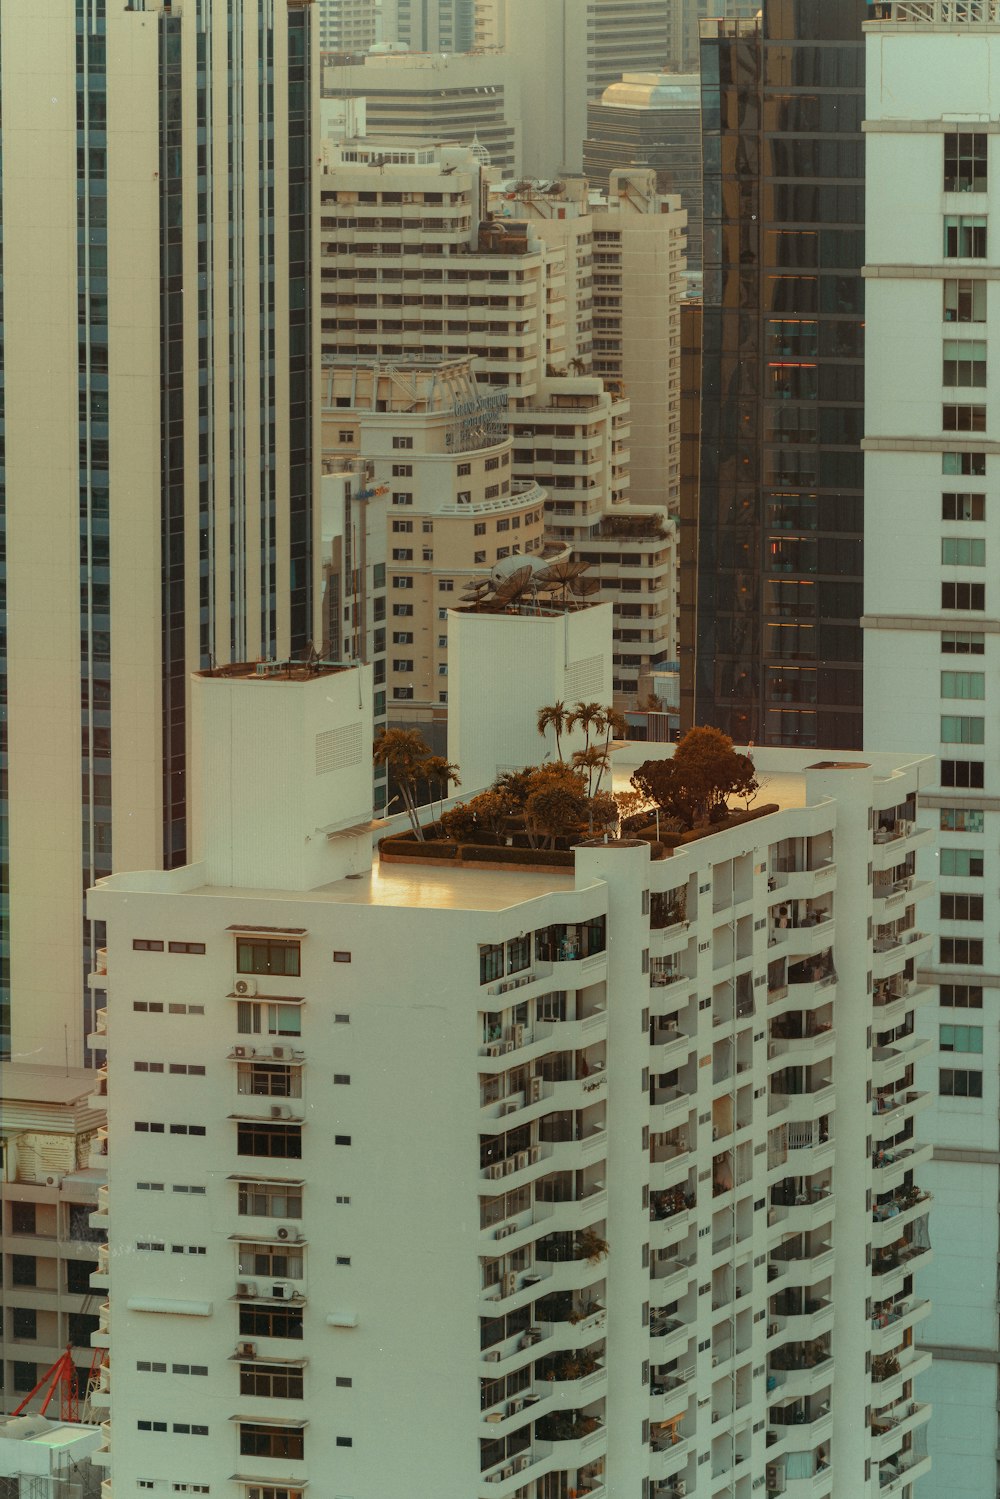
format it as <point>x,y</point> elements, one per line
<point>94,439</point>
<point>781,505</point>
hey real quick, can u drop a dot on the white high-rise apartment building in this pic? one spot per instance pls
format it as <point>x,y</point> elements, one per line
<point>932,642</point>
<point>159,448</point>
<point>596,1180</point>
<point>430,25</point>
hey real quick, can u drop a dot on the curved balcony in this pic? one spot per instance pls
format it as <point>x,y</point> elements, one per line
<point>669,1049</point>
<point>890,1220</point>
<point>893,999</point>
<point>891,953</point>
<point>100,1216</point>
<point>818,1042</point>
<point>669,1452</point>
<point>668,1109</point>
<point>802,1217</point>
<point>669,1393</point>
<point>798,1329</point>
<point>798,1370</point>
<point>99,1098</point>
<point>803,884</point>
<point>890,1062</point>
<point>891,1371</point>
<point>892,845</point>
<point>891,1164</point>
<point>101,1457</point>
<point>888,1326</point>
<point>890,1424</point>
<point>801,940</point>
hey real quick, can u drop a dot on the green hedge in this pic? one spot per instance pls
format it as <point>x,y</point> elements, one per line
<point>481,853</point>
<point>409,848</point>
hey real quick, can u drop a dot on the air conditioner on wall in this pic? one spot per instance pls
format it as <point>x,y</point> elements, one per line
<point>246,1350</point>
<point>245,988</point>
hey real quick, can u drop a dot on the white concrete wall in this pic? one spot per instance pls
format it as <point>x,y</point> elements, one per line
<point>504,668</point>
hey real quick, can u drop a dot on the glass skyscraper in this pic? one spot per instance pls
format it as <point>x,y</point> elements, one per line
<point>778,651</point>
<point>159,454</point>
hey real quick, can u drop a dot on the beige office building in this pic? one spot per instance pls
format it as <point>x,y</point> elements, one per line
<point>159,449</point>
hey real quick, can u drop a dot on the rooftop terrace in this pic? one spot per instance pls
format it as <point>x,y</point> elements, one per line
<point>936,12</point>
<point>277,671</point>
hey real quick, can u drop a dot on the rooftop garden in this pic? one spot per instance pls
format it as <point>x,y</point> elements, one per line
<point>538,815</point>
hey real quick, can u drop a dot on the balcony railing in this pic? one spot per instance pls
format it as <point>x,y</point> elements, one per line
<point>938,12</point>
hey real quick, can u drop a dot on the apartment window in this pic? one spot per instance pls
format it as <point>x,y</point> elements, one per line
<point>268,1491</point>
<point>186,1129</point>
<point>479,529</point>
<point>963,551</point>
<point>402,637</point>
<point>963,507</point>
<point>407,442</point>
<point>492,464</point>
<point>401,663</point>
<point>442,614</point>
<point>402,470</point>
<point>146,944</point>
<point>960,1083</point>
<point>255,1018</point>
<point>147,1127</point>
<point>270,1200</point>
<point>402,497</point>
<point>964,362</point>
<point>268,1080</point>
<point>963,596</point>
<point>402,554</point>
<point>272,1261</point>
<point>479,557</point>
<point>961,863</point>
<point>502,552</point>
<point>378,581</point>
<point>402,694</point>
<point>965,161</point>
<point>958,418</point>
<point>464,497</point>
<point>446,585</point>
<point>24,1270</point>
<point>961,1038</point>
<point>262,1320</point>
<point>962,729</point>
<point>24,1324</point>
<point>427,555</point>
<point>503,525</point>
<point>427,527</point>
<point>196,948</point>
<point>956,907</point>
<point>963,643</point>
<point>22,1218</point>
<point>970,464</point>
<point>490,963</point>
<point>962,773</point>
<point>345,436</point>
<point>25,1375</point>
<point>965,236</point>
<point>961,996</point>
<point>402,611</point>
<point>961,820</point>
<point>272,1381</point>
<point>279,1141</point>
<point>151,1425</point>
<point>964,301</point>
<point>402,527</point>
<point>964,684</point>
<point>402,582</point>
<point>259,955</point>
<point>442,697</point>
<point>961,950</point>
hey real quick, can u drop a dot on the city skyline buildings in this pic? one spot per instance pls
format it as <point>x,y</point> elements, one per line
<point>160,447</point>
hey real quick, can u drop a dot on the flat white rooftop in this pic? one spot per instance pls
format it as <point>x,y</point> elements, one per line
<point>426,885</point>
<point>26,1082</point>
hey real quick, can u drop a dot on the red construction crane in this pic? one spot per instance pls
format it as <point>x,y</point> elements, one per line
<point>63,1377</point>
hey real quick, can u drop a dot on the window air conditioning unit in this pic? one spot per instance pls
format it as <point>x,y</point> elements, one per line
<point>281,1290</point>
<point>246,1350</point>
<point>523,1462</point>
<point>494,1049</point>
<point>284,1232</point>
<point>509,1283</point>
<point>508,1166</point>
<point>246,1288</point>
<point>493,1356</point>
<point>54,1180</point>
<point>534,1155</point>
<point>518,1034</point>
<point>535,1090</point>
<point>278,1052</point>
<point>496,1170</point>
<point>239,1051</point>
<point>245,988</point>
<point>522,1160</point>
<point>771,1476</point>
<point>509,1108</point>
<point>280,1111</point>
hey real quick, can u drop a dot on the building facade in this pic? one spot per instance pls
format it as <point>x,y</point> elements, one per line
<point>932,618</point>
<point>348,25</point>
<point>159,467</point>
<point>718,1295</point>
<point>651,120</point>
<point>53,1136</point>
<point>466,99</point>
<point>418,260</point>
<point>427,506</point>
<point>430,25</point>
<point>780,523</point>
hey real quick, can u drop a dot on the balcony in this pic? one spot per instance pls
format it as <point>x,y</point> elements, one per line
<point>891,1219</point>
<point>99,1217</point>
<point>889,1062</point>
<point>894,998</point>
<point>101,1338</point>
<point>97,1040</point>
<point>898,1474</point>
<point>816,1042</point>
<point>668,1109</point>
<point>890,1424</point>
<point>669,1048</point>
<point>802,884</point>
<point>804,938</point>
<point>891,1371</point>
<point>98,979</point>
<point>99,1098</point>
<point>101,1457</point>
<point>891,1164</point>
<point>890,1325</point>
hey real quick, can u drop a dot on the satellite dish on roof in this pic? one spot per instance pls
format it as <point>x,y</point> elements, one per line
<point>508,566</point>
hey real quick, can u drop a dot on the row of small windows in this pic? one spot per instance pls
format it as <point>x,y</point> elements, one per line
<point>149,944</point>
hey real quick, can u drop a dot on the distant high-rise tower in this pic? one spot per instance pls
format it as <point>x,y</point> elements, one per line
<point>780,571</point>
<point>430,25</point>
<point>348,25</point>
<point>159,450</point>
